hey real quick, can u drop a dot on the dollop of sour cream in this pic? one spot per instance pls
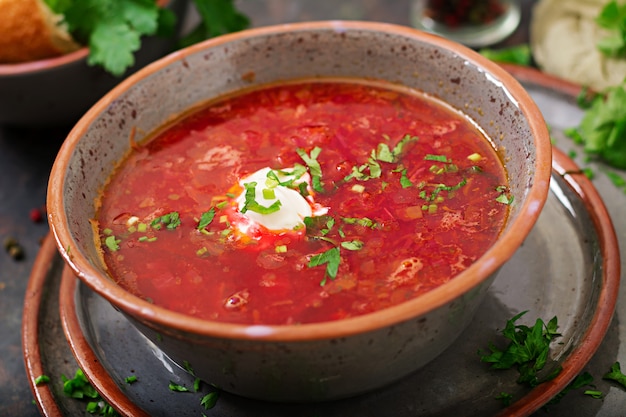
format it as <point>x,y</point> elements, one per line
<point>293,207</point>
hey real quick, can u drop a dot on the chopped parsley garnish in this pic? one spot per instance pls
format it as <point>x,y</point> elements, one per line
<point>331,259</point>
<point>170,220</point>
<point>130,379</point>
<point>113,29</point>
<point>519,54</point>
<point>352,245</point>
<point>612,18</point>
<point>505,197</point>
<point>209,400</point>
<point>405,182</point>
<point>251,204</point>
<point>177,387</point>
<point>615,374</point>
<point>602,129</point>
<point>527,350</point>
<point>206,218</point>
<point>314,167</point>
<point>80,388</point>
<point>362,221</point>
<point>42,379</point>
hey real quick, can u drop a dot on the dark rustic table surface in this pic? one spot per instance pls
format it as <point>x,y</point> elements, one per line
<point>27,155</point>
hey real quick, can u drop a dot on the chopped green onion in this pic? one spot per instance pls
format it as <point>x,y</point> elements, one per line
<point>358,188</point>
<point>281,249</point>
<point>112,243</point>
<point>251,204</point>
<point>438,158</point>
<point>475,157</point>
<point>269,194</point>
<point>130,379</point>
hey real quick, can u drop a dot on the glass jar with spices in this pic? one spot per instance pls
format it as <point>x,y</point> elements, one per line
<point>475,23</point>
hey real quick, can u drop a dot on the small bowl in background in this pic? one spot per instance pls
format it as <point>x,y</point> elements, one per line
<point>58,91</point>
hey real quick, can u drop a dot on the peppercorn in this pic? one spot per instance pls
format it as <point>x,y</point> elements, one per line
<point>13,248</point>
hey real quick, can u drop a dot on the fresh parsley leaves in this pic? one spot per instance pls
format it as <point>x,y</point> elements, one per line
<point>314,167</point>
<point>527,350</point>
<point>603,127</point>
<point>331,259</point>
<point>612,18</point>
<point>79,387</point>
<point>519,54</point>
<point>615,374</point>
<point>170,220</point>
<point>113,29</point>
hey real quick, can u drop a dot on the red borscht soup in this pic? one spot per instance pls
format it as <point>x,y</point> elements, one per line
<point>302,202</point>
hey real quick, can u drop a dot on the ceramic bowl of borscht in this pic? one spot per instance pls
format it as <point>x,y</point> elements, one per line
<point>302,212</point>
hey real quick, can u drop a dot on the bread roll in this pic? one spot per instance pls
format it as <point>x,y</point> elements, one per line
<point>30,31</point>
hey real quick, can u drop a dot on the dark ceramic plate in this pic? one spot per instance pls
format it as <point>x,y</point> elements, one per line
<point>568,267</point>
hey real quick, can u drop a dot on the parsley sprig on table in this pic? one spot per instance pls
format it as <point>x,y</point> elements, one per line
<point>112,29</point>
<point>527,350</point>
<point>603,126</point>
<point>612,18</point>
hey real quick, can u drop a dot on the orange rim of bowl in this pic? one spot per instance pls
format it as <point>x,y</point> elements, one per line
<point>474,275</point>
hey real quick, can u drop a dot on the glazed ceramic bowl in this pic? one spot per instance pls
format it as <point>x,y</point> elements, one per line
<point>58,91</point>
<point>312,361</point>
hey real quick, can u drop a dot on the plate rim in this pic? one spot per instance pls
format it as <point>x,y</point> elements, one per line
<point>562,165</point>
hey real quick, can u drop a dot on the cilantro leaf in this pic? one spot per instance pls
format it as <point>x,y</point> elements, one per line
<point>603,127</point>
<point>314,167</point>
<point>206,218</point>
<point>170,220</point>
<point>615,374</point>
<point>527,350</point>
<point>112,29</point>
<point>612,17</point>
<point>519,54</point>
<point>331,258</point>
<point>177,387</point>
<point>218,17</point>
<point>209,400</point>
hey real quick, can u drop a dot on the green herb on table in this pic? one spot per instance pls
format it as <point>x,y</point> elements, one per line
<point>612,18</point>
<point>79,388</point>
<point>42,380</point>
<point>527,350</point>
<point>602,129</point>
<point>615,374</point>
<point>113,29</point>
<point>582,380</point>
<point>131,379</point>
<point>519,55</point>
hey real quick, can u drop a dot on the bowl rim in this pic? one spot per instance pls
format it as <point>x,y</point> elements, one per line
<point>151,315</point>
